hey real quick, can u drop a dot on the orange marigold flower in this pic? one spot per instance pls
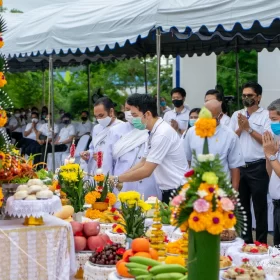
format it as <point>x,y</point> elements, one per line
<point>205,127</point>
<point>197,221</point>
<point>99,178</point>
<point>229,220</point>
<point>208,190</point>
<point>215,223</point>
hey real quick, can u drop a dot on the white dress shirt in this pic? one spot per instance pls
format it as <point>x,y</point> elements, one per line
<point>83,128</point>
<point>165,148</point>
<point>274,183</point>
<point>225,120</point>
<point>32,135</point>
<point>258,121</point>
<point>47,131</point>
<point>66,132</point>
<point>118,166</point>
<point>14,122</point>
<point>224,142</point>
<point>182,118</point>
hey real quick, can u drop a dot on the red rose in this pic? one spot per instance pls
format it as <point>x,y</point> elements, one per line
<point>259,267</point>
<point>120,251</point>
<point>254,250</point>
<point>257,243</point>
<point>189,173</point>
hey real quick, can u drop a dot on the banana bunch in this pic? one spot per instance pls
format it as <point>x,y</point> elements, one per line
<point>147,269</point>
<point>165,213</point>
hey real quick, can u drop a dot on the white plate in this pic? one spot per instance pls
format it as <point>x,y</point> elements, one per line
<point>225,268</point>
<point>255,254</point>
<point>230,241</point>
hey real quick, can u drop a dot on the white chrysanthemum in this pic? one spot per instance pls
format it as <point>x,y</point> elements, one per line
<point>99,171</point>
<point>221,193</point>
<point>211,157</point>
<point>201,158</point>
<point>202,194</point>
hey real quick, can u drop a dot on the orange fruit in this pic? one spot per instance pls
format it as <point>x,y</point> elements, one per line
<point>140,245</point>
<point>143,254</point>
<point>122,269</point>
<point>154,254</point>
<point>127,254</point>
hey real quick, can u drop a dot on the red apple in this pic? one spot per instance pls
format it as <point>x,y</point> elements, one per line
<point>91,229</point>
<point>76,226</point>
<point>80,243</point>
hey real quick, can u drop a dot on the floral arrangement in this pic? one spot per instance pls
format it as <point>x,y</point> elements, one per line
<point>101,192</point>
<point>70,181</point>
<point>133,212</point>
<point>117,228</point>
<point>3,118</point>
<point>1,197</point>
<point>207,201</point>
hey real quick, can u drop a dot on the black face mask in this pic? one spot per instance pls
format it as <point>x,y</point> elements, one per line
<point>178,103</point>
<point>249,102</point>
<point>66,121</point>
<point>84,119</point>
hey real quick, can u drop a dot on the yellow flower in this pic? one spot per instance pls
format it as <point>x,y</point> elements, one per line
<point>93,214</point>
<point>99,178</point>
<point>3,81</point>
<point>229,220</point>
<point>215,223</point>
<point>184,227</point>
<point>2,158</point>
<point>16,152</point>
<point>145,206</point>
<point>205,113</point>
<point>209,189</point>
<point>197,221</point>
<point>112,198</point>
<point>1,197</point>
<point>117,228</point>
<point>210,178</point>
<point>69,176</point>
<point>131,202</point>
<point>91,197</point>
<point>3,117</point>
<point>205,127</point>
<point>130,195</point>
<point>70,167</point>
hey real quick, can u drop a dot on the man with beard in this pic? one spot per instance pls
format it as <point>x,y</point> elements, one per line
<point>250,124</point>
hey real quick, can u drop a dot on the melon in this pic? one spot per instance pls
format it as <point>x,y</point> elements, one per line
<point>91,229</point>
<point>80,243</point>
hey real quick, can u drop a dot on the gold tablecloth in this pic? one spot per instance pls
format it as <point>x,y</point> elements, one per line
<point>36,253</point>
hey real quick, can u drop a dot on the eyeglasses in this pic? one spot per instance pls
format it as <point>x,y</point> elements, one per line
<point>249,95</point>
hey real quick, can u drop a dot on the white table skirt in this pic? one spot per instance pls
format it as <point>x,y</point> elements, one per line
<point>43,252</point>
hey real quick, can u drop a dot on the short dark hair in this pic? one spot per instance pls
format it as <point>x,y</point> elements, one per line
<point>67,115</point>
<point>34,108</point>
<point>257,88</point>
<point>86,112</point>
<point>16,109</point>
<point>106,102</point>
<point>35,113</point>
<point>179,90</point>
<point>194,110</point>
<point>143,102</point>
<point>220,97</point>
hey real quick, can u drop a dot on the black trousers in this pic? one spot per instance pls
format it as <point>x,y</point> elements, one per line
<point>254,182</point>
<point>17,136</point>
<point>25,143</point>
<point>167,196</point>
<point>276,222</point>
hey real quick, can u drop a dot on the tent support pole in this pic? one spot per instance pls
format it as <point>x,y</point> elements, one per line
<point>158,43</point>
<point>52,110</point>
<point>43,88</point>
<point>237,78</point>
<point>88,89</point>
<point>145,74</point>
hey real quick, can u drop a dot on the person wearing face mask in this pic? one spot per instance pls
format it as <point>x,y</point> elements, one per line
<point>44,114</point>
<point>224,143</point>
<point>125,148</point>
<point>249,124</point>
<point>15,126</point>
<point>215,94</point>
<point>105,116</point>
<point>164,153</point>
<point>163,107</point>
<point>271,142</point>
<point>193,118</point>
<point>85,126</point>
<point>179,117</point>
<point>30,133</point>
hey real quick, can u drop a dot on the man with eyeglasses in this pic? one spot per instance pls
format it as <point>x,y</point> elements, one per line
<point>250,124</point>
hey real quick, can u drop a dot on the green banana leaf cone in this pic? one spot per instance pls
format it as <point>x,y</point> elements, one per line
<point>204,256</point>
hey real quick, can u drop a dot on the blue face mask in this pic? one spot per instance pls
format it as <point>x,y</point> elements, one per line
<point>136,122</point>
<point>275,127</point>
<point>192,122</point>
<point>162,103</point>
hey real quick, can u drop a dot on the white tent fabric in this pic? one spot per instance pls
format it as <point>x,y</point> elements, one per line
<point>89,25</point>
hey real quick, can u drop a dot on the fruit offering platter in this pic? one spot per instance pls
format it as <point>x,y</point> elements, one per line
<point>244,272</point>
<point>256,248</point>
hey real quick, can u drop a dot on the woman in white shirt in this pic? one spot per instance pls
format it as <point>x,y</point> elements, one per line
<point>15,126</point>
<point>125,148</point>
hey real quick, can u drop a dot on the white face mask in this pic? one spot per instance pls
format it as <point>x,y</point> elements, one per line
<point>34,120</point>
<point>105,121</point>
<point>128,116</point>
<point>17,115</point>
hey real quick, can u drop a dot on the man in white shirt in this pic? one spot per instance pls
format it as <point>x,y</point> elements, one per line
<point>64,139</point>
<point>84,127</point>
<point>216,95</point>
<point>271,150</point>
<point>178,118</point>
<point>105,116</point>
<point>250,124</point>
<point>15,126</point>
<point>30,133</point>
<point>224,142</point>
<point>164,153</point>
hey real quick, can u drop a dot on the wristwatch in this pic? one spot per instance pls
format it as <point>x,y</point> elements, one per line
<point>273,157</point>
<point>250,130</point>
<point>116,180</point>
